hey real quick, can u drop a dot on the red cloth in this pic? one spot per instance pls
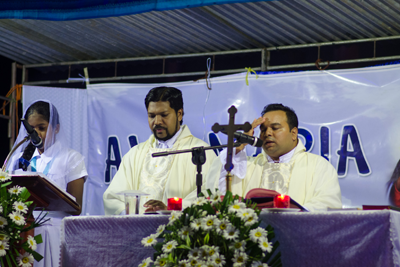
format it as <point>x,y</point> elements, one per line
<point>396,197</point>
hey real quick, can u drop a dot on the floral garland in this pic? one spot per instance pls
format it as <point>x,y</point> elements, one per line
<point>14,216</point>
<point>214,232</point>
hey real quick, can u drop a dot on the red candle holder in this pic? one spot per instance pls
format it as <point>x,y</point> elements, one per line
<point>281,201</point>
<point>175,203</point>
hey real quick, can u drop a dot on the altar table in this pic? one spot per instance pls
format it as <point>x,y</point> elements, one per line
<point>334,238</point>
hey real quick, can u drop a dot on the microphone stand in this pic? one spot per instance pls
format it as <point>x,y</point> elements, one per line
<point>13,150</point>
<point>198,158</point>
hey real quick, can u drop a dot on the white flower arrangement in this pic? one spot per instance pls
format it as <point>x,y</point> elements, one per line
<point>14,220</point>
<point>214,232</point>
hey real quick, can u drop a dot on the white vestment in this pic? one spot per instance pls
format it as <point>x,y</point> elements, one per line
<point>161,177</point>
<point>308,178</point>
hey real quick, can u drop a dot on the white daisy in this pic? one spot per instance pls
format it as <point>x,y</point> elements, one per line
<point>161,261</point>
<point>194,262</point>
<point>219,260</point>
<point>212,251</point>
<point>222,225</point>
<point>209,263</point>
<point>215,198</point>
<point>239,258</point>
<point>175,215</point>
<point>195,224</point>
<point>4,238</point>
<point>194,253</point>
<point>238,245</point>
<point>20,206</point>
<point>146,262</point>
<point>168,247</point>
<point>257,234</point>
<point>3,247</point>
<point>3,222</point>
<point>25,260</point>
<point>32,243</point>
<point>4,176</point>
<point>160,229</point>
<point>1,209</point>
<point>244,213</point>
<point>17,218</point>
<point>199,201</point>
<point>150,240</point>
<point>15,190</point>
<point>185,232</point>
<point>265,245</point>
<point>236,206</point>
<point>252,219</point>
<point>259,264</point>
<point>231,233</point>
<point>183,263</point>
<point>209,222</point>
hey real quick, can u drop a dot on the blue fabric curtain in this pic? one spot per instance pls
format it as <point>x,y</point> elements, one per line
<point>86,9</point>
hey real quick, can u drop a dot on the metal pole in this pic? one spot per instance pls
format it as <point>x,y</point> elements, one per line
<point>11,122</point>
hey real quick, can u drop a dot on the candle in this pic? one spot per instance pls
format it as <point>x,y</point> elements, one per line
<point>282,201</point>
<point>175,203</point>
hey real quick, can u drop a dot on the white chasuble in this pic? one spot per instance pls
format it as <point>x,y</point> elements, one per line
<point>161,177</point>
<point>154,175</point>
<point>276,176</point>
<point>309,179</point>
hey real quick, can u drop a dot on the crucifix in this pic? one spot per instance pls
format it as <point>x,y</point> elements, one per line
<point>230,129</point>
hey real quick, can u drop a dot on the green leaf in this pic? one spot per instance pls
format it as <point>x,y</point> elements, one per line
<point>24,195</point>
<point>207,238</point>
<point>5,184</point>
<point>37,256</point>
<point>184,247</point>
<point>38,239</point>
<point>209,192</point>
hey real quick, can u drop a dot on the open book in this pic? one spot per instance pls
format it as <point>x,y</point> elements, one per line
<point>45,193</point>
<point>265,199</point>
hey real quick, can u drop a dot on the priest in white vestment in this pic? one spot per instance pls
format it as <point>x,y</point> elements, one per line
<point>283,166</point>
<point>160,177</point>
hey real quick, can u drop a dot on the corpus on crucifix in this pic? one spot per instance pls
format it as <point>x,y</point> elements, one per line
<point>230,129</point>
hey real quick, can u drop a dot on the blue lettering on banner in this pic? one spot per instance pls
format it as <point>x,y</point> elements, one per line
<point>113,158</point>
<point>324,135</point>
<point>133,140</point>
<point>351,148</point>
<point>213,140</point>
<point>307,138</point>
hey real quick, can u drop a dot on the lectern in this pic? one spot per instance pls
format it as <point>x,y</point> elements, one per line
<point>45,194</point>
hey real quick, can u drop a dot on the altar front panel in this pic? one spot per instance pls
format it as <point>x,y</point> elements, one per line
<point>346,238</point>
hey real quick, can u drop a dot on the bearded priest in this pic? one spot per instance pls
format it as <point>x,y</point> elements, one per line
<point>160,177</point>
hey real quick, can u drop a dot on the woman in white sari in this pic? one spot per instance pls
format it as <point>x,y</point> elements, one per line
<point>60,164</point>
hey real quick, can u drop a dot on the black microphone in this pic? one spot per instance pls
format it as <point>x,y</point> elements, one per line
<point>247,139</point>
<point>35,138</point>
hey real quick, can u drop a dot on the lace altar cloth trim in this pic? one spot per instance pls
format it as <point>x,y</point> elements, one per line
<point>107,240</point>
<point>350,238</point>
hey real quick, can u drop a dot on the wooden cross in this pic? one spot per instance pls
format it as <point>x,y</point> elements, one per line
<point>230,129</point>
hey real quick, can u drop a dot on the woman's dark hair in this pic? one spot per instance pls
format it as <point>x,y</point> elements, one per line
<point>290,114</point>
<point>41,108</point>
<point>163,93</point>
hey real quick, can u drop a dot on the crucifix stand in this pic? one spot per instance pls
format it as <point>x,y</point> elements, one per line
<point>230,129</point>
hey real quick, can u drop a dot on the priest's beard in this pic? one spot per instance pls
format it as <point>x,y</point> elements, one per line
<point>169,135</point>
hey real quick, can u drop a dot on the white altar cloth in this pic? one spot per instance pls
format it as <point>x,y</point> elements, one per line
<point>345,238</point>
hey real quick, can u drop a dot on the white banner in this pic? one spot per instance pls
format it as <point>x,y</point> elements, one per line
<point>348,116</point>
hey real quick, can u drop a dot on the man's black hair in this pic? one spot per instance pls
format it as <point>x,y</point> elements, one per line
<point>163,93</point>
<point>290,114</point>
